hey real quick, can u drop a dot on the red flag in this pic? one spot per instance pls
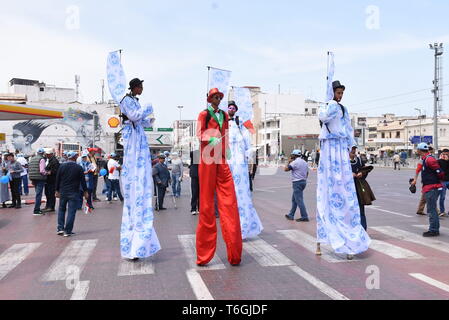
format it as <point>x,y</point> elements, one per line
<point>249,125</point>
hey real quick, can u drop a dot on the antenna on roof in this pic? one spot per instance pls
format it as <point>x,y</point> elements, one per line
<point>77,83</point>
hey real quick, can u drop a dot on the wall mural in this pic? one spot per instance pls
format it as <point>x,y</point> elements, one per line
<point>75,127</point>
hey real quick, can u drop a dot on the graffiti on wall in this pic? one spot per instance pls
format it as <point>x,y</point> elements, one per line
<point>76,127</point>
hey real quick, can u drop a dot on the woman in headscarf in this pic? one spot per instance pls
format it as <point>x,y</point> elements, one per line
<point>338,213</point>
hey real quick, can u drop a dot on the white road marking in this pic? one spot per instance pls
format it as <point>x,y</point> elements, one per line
<point>265,254</point>
<point>81,290</point>
<point>198,286</point>
<point>387,211</point>
<point>426,227</point>
<point>324,288</point>
<point>75,254</point>
<point>393,251</point>
<point>13,256</point>
<point>135,268</point>
<point>413,237</point>
<point>189,245</point>
<point>432,282</point>
<point>309,243</point>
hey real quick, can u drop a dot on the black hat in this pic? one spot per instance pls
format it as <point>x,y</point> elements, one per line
<point>337,84</point>
<point>232,103</point>
<point>135,83</point>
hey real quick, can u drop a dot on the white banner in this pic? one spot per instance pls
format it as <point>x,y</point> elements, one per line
<point>220,79</point>
<point>116,77</point>
<point>330,76</point>
<point>242,97</point>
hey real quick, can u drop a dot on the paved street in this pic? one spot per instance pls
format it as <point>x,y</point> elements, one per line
<point>35,263</point>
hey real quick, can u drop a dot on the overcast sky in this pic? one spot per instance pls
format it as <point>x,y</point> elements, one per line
<point>381,48</point>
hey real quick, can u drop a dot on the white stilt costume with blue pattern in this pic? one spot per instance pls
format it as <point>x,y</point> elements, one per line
<point>240,145</point>
<point>338,213</point>
<point>138,237</point>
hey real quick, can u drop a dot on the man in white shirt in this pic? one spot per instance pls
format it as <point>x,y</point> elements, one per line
<point>114,177</point>
<point>24,175</point>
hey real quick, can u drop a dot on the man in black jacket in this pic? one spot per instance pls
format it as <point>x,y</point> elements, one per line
<point>161,176</point>
<point>69,178</point>
<point>52,169</point>
<point>194,182</point>
<point>444,164</point>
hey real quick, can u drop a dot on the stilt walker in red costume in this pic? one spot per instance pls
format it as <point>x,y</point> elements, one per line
<point>216,177</point>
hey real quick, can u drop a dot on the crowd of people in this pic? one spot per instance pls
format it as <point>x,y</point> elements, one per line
<point>222,173</point>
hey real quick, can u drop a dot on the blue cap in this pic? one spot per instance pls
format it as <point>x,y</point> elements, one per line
<point>423,146</point>
<point>72,154</point>
<point>296,153</point>
<point>113,155</point>
<point>40,150</point>
<point>166,153</point>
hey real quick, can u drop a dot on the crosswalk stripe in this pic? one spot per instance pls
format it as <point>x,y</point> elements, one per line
<point>265,254</point>
<point>426,227</point>
<point>412,237</point>
<point>198,286</point>
<point>309,243</point>
<point>189,245</point>
<point>432,282</point>
<point>324,288</point>
<point>81,290</point>
<point>75,254</point>
<point>393,251</point>
<point>135,268</point>
<point>13,256</point>
<point>387,211</point>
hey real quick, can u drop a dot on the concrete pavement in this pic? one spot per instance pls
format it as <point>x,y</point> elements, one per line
<point>35,263</point>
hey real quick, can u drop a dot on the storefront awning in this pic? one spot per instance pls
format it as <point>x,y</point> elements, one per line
<point>10,112</point>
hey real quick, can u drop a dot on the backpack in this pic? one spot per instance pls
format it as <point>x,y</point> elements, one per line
<point>342,109</point>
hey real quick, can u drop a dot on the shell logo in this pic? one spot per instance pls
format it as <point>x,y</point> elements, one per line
<point>113,122</point>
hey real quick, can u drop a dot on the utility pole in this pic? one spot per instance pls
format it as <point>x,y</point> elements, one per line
<point>179,124</point>
<point>437,83</point>
<point>420,121</point>
<point>102,91</point>
<point>265,134</point>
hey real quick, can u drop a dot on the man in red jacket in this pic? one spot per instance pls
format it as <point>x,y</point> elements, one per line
<point>216,177</point>
<point>431,176</point>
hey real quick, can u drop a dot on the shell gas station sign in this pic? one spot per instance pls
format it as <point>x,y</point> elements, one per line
<point>111,123</point>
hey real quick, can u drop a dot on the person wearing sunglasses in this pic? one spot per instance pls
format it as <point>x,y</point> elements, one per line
<point>216,178</point>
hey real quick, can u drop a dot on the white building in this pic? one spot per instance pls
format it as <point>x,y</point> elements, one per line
<point>36,91</point>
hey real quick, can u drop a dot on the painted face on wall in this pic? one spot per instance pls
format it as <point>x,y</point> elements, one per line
<point>20,141</point>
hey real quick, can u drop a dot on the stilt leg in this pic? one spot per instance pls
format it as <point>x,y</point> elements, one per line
<point>318,249</point>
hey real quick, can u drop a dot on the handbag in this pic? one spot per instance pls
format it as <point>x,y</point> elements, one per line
<point>366,193</point>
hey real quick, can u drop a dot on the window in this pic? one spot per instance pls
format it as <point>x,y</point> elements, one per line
<point>398,134</point>
<point>41,89</point>
<point>383,135</point>
<point>314,111</point>
<point>307,110</point>
<point>268,136</point>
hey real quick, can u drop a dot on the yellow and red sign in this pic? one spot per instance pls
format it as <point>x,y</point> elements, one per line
<point>113,122</point>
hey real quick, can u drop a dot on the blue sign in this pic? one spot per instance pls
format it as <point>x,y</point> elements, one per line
<point>418,139</point>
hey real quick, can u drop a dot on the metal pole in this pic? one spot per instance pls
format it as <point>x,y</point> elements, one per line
<point>265,133</point>
<point>435,105</point>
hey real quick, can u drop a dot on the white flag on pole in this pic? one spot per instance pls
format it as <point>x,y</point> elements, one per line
<point>220,79</point>
<point>330,76</point>
<point>116,77</point>
<point>242,97</point>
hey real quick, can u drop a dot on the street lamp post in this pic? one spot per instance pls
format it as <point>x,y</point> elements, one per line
<point>179,124</point>
<point>420,127</point>
<point>438,48</point>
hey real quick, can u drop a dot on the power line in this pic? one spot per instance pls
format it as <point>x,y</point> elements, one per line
<point>396,104</point>
<point>395,96</point>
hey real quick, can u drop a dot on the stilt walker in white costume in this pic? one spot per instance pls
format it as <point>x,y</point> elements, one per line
<point>338,213</point>
<point>138,237</point>
<point>240,146</point>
